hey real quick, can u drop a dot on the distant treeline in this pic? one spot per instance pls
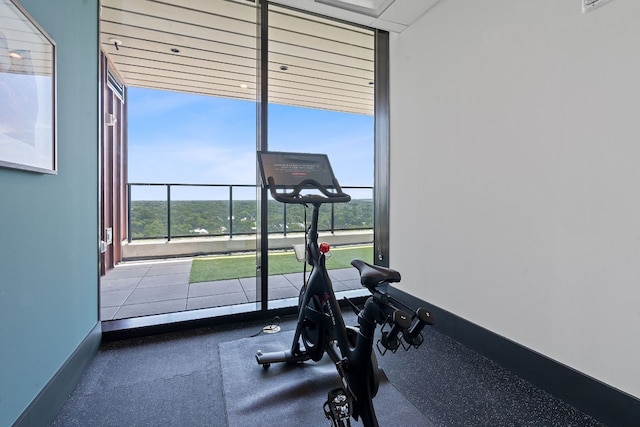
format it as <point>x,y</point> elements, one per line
<point>213,217</point>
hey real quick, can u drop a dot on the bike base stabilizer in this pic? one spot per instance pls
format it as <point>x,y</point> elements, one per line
<point>266,359</point>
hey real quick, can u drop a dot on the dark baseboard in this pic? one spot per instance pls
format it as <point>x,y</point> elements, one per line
<point>121,329</point>
<point>44,408</point>
<point>603,402</point>
<point>115,330</point>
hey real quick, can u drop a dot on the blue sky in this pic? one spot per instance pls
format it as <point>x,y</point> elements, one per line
<point>183,138</point>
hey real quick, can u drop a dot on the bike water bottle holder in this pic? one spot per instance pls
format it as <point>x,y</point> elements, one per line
<point>387,344</point>
<point>400,322</point>
<point>384,344</point>
<point>413,336</point>
<point>416,342</point>
<point>404,332</point>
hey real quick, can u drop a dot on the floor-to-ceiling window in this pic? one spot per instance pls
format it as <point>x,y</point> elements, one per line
<point>321,100</point>
<point>193,70</point>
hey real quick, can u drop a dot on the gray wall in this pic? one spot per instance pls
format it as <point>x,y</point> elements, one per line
<point>48,223</point>
<point>515,153</point>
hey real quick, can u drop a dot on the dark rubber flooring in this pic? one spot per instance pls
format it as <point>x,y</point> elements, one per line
<point>176,380</point>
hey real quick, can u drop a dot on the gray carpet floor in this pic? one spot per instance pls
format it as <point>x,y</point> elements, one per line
<point>177,380</point>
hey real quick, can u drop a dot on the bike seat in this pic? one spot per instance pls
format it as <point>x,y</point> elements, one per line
<point>373,275</point>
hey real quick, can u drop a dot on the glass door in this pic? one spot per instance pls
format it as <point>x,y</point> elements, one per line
<point>190,71</point>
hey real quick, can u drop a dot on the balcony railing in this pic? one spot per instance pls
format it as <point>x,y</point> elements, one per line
<point>199,210</point>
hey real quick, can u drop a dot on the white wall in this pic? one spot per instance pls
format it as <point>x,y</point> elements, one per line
<point>515,167</point>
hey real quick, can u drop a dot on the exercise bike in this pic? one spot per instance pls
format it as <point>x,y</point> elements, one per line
<point>320,328</point>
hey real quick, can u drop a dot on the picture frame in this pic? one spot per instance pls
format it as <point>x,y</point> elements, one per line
<point>28,139</point>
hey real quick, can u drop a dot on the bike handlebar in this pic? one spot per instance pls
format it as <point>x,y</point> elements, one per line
<point>296,196</point>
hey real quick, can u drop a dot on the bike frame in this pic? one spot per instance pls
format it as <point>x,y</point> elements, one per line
<point>321,327</point>
<point>357,377</point>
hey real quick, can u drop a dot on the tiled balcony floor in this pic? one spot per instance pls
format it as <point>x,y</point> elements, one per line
<point>144,288</point>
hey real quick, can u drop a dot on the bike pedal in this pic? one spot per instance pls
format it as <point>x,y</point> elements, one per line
<point>338,405</point>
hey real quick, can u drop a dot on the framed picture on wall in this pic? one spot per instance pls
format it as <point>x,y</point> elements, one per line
<point>27,92</point>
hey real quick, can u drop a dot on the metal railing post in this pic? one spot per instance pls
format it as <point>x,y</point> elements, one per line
<point>169,212</point>
<point>333,218</point>
<point>129,213</point>
<point>231,211</point>
<point>284,218</point>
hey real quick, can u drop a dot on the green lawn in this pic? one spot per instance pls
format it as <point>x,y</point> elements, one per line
<point>207,269</point>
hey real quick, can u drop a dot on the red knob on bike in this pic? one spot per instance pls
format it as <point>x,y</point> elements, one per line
<point>324,247</point>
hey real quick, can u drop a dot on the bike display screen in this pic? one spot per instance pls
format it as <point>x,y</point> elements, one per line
<point>290,169</point>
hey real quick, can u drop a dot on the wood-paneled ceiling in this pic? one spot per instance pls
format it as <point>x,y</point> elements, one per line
<point>210,47</point>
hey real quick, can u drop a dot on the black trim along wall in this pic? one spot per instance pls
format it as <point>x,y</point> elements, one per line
<point>44,408</point>
<point>603,402</point>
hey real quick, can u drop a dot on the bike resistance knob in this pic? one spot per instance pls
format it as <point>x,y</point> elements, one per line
<point>324,247</point>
